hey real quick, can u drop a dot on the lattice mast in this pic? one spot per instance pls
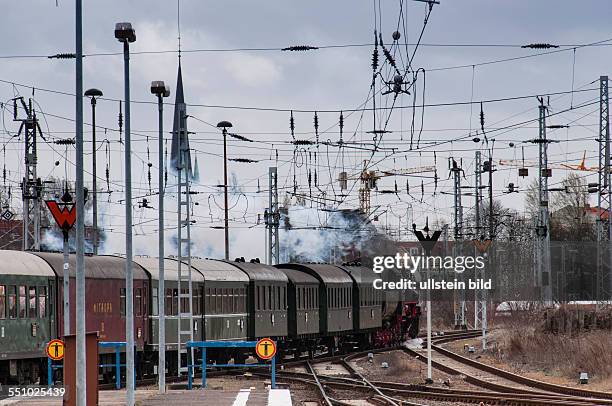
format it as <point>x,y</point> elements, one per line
<point>480,300</point>
<point>458,234</point>
<point>31,185</point>
<point>272,218</point>
<point>542,245</point>
<point>604,200</point>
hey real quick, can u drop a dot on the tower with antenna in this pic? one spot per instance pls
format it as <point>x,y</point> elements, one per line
<point>31,185</point>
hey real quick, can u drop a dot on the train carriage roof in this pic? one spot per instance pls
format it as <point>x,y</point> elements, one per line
<point>151,265</point>
<point>324,272</point>
<point>299,277</point>
<point>23,263</point>
<point>215,270</point>
<point>361,274</point>
<point>99,267</point>
<point>260,272</point>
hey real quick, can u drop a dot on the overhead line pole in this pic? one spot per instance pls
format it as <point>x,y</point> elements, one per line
<point>458,234</point>
<point>477,234</point>
<point>604,199</point>
<point>160,89</point>
<point>81,367</point>
<point>543,227</point>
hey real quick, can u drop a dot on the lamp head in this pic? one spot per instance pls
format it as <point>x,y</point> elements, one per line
<point>124,32</point>
<point>93,92</point>
<point>159,88</point>
<point>224,124</point>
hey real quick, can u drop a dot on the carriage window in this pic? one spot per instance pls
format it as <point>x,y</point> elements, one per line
<point>145,302</point>
<point>22,302</point>
<point>122,301</point>
<point>197,301</point>
<point>298,304</point>
<point>217,300</point>
<point>284,298</point>
<point>310,298</point>
<point>32,302</point>
<point>50,302</point>
<point>2,302</point>
<point>155,302</point>
<point>184,301</point>
<point>264,303</point>
<point>207,301</point>
<point>168,302</point>
<point>314,303</point>
<point>328,297</point>
<point>12,302</point>
<point>212,309</point>
<point>175,302</point>
<point>278,298</point>
<point>138,301</point>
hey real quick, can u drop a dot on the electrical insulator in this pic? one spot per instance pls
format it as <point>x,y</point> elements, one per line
<point>343,180</point>
<point>482,118</point>
<point>486,166</point>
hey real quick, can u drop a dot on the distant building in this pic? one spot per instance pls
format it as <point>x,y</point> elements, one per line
<point>11,234</point>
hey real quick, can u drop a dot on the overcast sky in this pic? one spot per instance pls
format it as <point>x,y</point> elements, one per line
<point>325,79</point>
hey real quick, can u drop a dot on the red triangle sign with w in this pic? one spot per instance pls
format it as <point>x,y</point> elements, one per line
<point>64,216</point>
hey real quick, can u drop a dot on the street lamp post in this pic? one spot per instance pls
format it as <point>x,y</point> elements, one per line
<point>225,125</point>
<point>126,34</point>
<point>160,89</point>
<point>93,94</point>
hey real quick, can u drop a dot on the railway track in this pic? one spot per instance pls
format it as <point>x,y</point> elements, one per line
<point>515,378</point>
<point>388,393</point>
<point>518,379</point>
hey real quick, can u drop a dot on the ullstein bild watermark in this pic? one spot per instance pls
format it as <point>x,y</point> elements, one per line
<point>413,264</point>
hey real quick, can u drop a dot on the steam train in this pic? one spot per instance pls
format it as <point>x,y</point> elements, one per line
<point>304,307</point>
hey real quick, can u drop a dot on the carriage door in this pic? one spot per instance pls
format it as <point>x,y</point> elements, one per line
<point>51,308</point>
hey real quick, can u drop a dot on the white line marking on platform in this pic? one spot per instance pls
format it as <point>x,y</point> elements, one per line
<point>279,397</point>
<point>242,398</point>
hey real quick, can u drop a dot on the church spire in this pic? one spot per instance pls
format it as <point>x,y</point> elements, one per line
<point>179,127</point>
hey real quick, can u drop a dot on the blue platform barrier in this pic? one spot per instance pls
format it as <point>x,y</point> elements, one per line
<point>104,344</point>
<point>223,344</point>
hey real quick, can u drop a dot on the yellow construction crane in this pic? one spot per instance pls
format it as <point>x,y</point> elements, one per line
<point>369,179</point>
<point>522,164</point>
